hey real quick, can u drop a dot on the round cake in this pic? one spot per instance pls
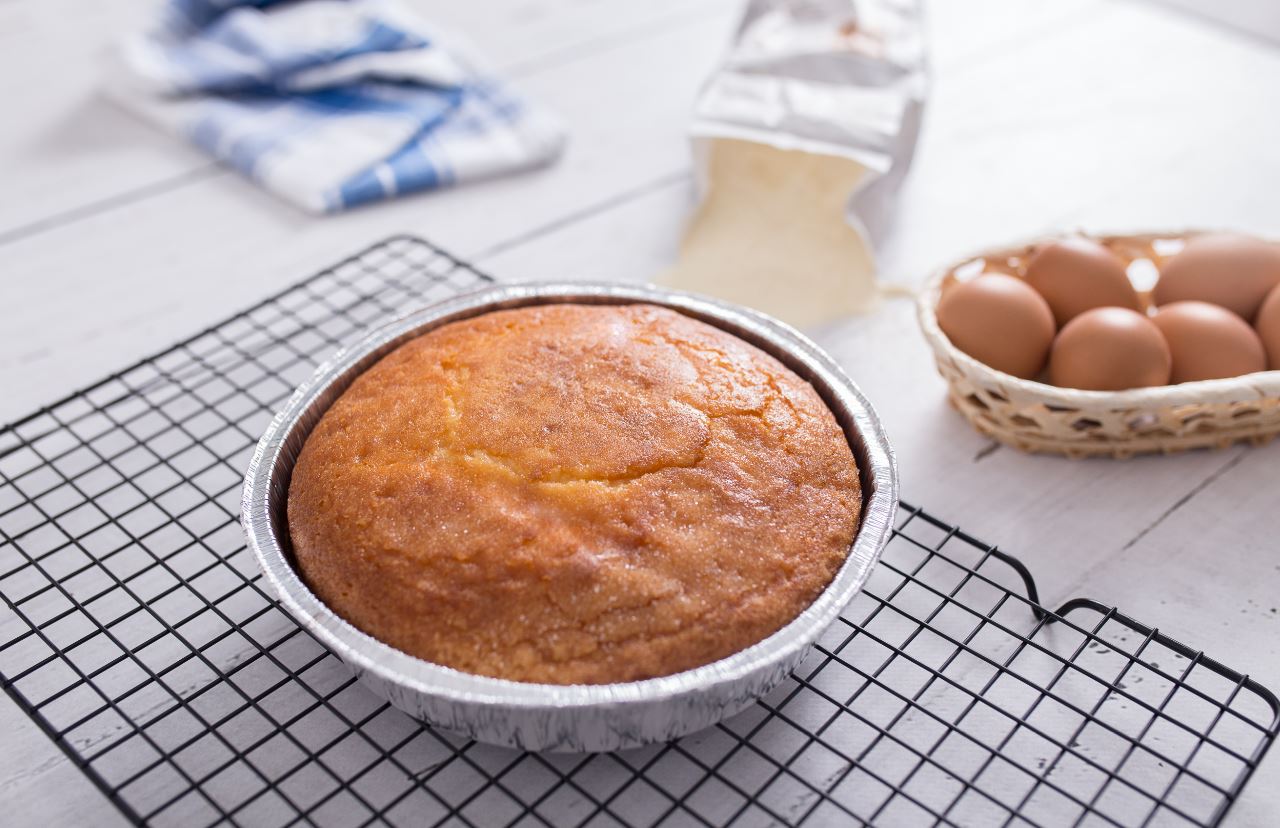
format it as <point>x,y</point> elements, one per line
<point>574,494</point>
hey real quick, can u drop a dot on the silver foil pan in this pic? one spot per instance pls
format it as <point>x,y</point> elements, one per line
<point>575,717</point>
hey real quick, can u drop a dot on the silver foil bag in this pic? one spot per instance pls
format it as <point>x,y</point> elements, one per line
<point>802,138</point>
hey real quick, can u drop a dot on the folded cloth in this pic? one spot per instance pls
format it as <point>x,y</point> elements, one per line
<point>329,103</point>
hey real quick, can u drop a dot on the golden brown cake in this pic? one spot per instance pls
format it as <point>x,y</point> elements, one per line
<point>574,494</point>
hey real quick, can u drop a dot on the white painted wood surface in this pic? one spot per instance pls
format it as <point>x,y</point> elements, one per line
<point>116,241</point>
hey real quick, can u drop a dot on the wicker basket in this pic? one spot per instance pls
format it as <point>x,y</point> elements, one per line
<point>1037,417</point>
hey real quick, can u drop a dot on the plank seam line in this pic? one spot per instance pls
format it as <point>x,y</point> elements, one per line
<point>589,211</point>
<point>112,202</point>
<point>532,66</point>
<point>1186,498</point>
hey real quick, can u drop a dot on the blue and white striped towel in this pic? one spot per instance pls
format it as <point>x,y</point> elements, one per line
<point>329,103</point>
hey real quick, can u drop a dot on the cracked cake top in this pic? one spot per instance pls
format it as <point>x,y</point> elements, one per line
<point>574,494</point>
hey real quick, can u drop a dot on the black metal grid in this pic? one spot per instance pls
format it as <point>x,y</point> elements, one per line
<point>137,634</point>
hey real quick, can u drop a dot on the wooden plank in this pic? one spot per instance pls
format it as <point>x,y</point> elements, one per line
<point>1208,573</point>
<point>1214,549</point>
<point>1248,17</point>
<point>66,149</point>
<point>38,783</point>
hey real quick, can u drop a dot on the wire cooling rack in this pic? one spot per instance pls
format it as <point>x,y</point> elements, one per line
<point>137,633</point>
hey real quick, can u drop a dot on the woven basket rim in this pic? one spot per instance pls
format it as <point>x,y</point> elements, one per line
<point>1255,386</point>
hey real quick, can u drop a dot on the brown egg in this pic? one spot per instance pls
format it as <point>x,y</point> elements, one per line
<point>1109,349</point>
<point>1227,269</point>
<point>1000,321</point>
<point>1076,275</point>
<point>1209,342</point>
<point>1268,326</point>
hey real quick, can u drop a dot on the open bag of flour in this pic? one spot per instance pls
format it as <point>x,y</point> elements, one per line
<point>801,139</point>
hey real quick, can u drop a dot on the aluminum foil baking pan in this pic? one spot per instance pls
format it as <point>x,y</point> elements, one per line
<point>575,717</point>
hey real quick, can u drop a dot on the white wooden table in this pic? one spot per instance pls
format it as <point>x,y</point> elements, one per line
<point>116,241</point>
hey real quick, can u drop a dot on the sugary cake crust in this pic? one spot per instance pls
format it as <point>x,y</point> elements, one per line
<point>574,494</point>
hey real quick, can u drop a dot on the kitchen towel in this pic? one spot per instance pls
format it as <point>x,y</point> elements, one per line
<point>329,103</point>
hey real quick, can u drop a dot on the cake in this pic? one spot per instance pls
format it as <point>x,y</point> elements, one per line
<point>574,494</point>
